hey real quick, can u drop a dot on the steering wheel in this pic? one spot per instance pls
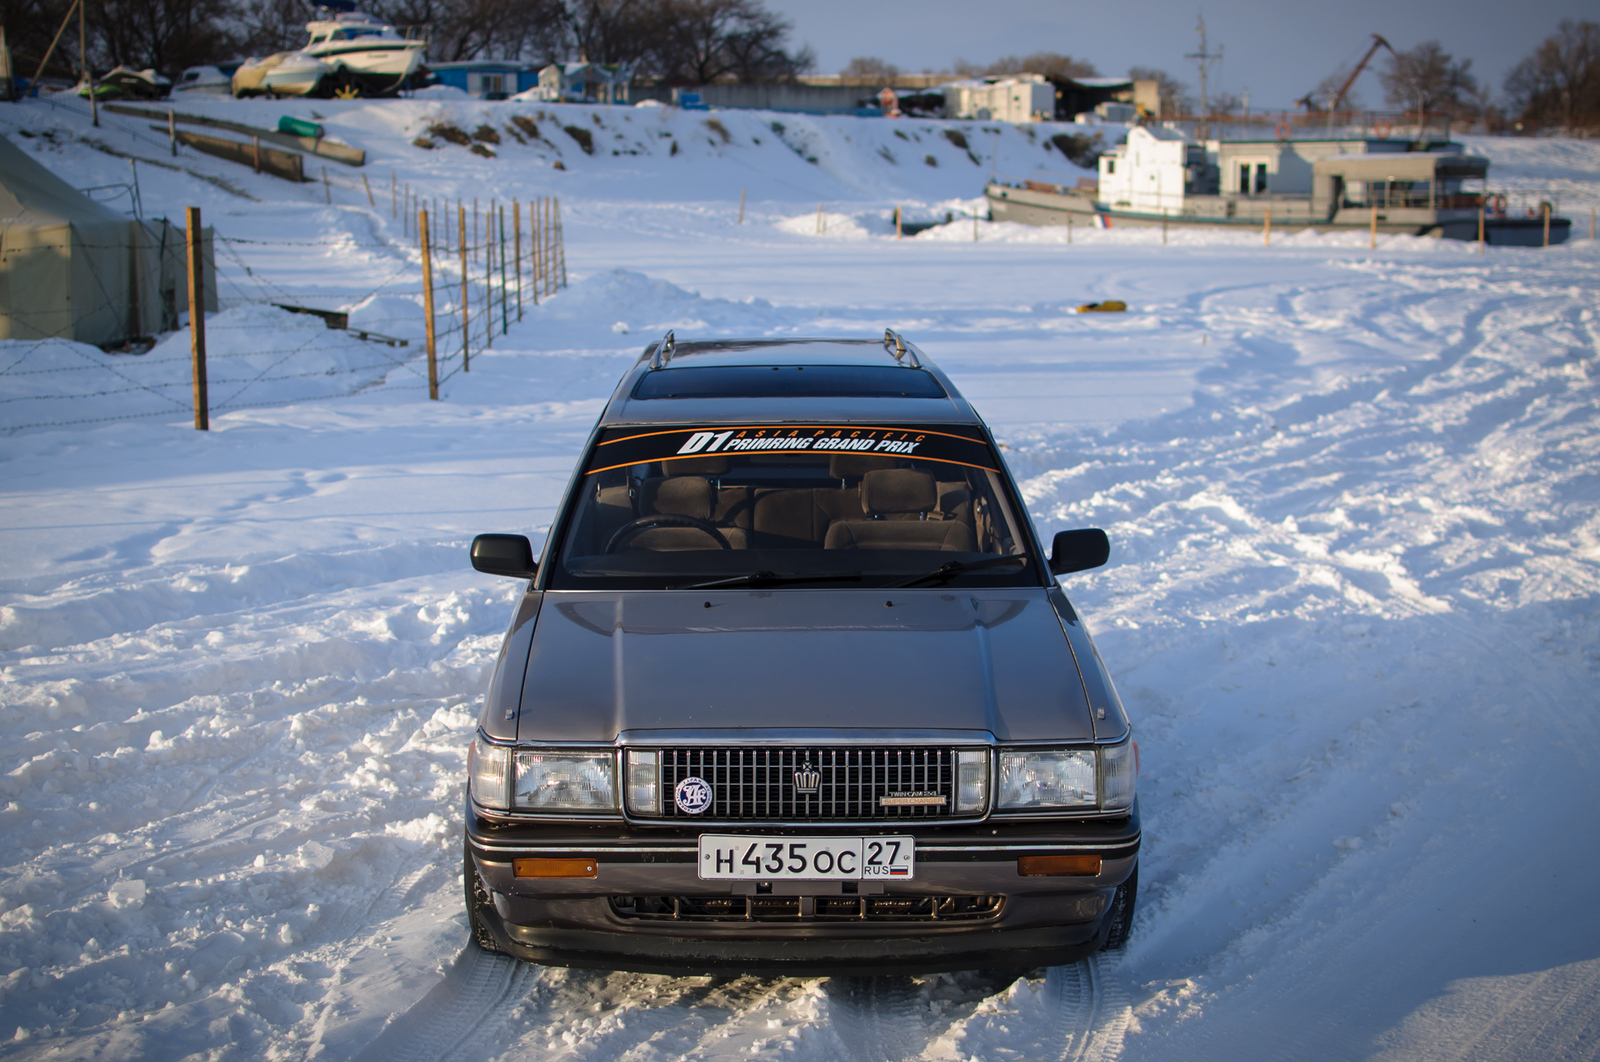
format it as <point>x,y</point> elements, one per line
<point>645,523</point>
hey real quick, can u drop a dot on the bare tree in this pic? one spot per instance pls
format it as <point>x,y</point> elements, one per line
<point>870,68</point>
<point>700,41</point>
<point>1050,64</point>
<point>1174,93</point>
<point>1322,96</point>
<point>1428,80</point>
<point>1559,84</point>
<point>166,35</point>
<point>29,26</point>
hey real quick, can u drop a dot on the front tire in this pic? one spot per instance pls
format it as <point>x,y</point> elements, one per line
<point>478,901</point>
<point>1121,916</point>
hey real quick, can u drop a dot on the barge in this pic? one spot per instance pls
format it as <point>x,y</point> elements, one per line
<point>1161,177</point>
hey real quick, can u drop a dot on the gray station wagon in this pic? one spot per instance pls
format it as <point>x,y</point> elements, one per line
<point>793,688</point>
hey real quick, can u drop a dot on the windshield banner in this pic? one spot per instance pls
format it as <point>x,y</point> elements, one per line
<point>950,443</point>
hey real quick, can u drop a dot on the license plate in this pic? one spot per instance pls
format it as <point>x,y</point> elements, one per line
<point>725,857</point>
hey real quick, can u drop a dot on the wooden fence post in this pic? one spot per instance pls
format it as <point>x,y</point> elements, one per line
<point>819,219</point>
<point>466,307</point>
<point>172,132</point>
<point>256,144</point>
<point>488,275</point>
<point>371,202</point>
<point>561,241</point>
<point>327,189</point>
<point>741,206</point>
<point>427,305</point>
<point>197,321</point>
<point>1372,239</point>
<point>1544,208</point>
<point>1481,240</point>
<point>1266,230</point>
<point>1069,230</point>
<point>516,227</point>
<point>898,232</point>
<point>505,311</point>
<point>535,248</point>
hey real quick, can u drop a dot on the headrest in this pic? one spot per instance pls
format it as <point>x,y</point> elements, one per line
<point>678,495</point>
<point>849,466</point>
<point>898,490</point>
<point>696,466</point>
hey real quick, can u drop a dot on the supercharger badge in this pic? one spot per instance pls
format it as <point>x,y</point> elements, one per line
<point>693,795</point>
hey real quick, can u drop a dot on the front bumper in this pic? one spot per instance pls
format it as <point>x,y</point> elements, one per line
<point>1039,921</point>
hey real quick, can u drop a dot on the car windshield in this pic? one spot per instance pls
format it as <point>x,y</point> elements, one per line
<point>818,505</point>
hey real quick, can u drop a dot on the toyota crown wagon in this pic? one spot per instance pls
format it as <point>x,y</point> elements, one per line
<point>793,688</point>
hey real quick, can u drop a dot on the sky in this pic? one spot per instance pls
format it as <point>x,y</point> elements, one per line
<point>1276,51</point>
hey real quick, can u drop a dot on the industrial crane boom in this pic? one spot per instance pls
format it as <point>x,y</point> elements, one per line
<point>1344,89</point>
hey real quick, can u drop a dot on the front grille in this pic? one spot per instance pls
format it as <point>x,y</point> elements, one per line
<point>808,908</point>
<point>758,784</point>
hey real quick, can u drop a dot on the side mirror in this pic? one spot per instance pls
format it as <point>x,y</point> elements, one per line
<point>504,555</point>
<point>1075,551</point>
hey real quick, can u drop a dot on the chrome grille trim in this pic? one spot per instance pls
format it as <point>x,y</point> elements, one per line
<point>808,908</point>
<point>756,783</point>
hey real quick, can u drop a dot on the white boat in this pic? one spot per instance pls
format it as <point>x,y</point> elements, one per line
<point>203,81</point>
<point>283,74</point>
<point>350,54</point>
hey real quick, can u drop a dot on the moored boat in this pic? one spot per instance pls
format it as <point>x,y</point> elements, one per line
<point>1161,177</point>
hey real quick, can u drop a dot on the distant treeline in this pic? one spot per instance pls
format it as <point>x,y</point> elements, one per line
<point>1557,86</point>
<point>678,41</point>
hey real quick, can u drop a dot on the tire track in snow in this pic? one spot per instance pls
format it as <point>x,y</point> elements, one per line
<point>1076,1013</point>
<point>878,1019</point>
<point>469,1004</point>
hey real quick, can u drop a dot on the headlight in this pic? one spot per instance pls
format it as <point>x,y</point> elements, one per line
<point>506,779</point>
<point>565,781</point>
<point>972,780</point>
<point>487,767</point>
<point>644,782</point>
<point>1048,779</point>
<point>1119,770</point>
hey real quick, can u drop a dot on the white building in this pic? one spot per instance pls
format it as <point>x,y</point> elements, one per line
<point>1021,98</point>
<point>583,82</point>
<point>1151,173</point>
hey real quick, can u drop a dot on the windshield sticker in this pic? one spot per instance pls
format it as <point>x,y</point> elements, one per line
<point>627,447</point>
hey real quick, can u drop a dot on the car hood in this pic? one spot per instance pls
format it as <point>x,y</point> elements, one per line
<point>603,663</point>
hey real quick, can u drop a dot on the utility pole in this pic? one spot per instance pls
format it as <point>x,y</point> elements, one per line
<point>83,61</point>
<point>1203,59</point>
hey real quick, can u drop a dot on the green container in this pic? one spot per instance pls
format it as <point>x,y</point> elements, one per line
<point>299,127</point>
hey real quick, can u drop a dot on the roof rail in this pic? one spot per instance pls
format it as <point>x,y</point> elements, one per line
<point>896,346</point>
<point>664,351</point>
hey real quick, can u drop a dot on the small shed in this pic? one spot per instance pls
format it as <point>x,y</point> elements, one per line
<point>74,269</point>
<point>584,82</point>
<point>488,79</point>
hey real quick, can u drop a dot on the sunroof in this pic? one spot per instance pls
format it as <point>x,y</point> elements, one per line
<point>789,381</point>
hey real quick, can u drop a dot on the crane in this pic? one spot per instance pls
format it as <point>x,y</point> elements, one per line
<point>1309,103</point>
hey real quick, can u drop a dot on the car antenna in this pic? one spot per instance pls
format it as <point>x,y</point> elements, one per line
<point>896,346</point>
<point>664,351</point>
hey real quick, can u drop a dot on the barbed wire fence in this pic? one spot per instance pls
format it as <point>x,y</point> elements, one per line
<point>485,266</point>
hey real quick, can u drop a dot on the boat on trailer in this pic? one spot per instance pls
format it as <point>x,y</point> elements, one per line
<point>350,54</point>
<point>1161,177</point>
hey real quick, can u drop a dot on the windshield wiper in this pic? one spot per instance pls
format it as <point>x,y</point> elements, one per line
<point>774,579</point>
<point>949,570</point>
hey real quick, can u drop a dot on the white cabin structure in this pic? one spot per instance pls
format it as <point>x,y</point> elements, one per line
<point>1020,98</point>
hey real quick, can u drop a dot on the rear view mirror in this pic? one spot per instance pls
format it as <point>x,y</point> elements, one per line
<point>1075,551</point>
<point>504,555</point>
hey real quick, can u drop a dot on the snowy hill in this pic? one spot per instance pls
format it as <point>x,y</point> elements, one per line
<point>1353,502</point>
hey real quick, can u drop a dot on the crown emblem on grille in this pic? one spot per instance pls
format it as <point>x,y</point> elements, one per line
<point>807,779</point>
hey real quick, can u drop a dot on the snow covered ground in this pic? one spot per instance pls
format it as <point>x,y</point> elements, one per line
<point>1352,496</point>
